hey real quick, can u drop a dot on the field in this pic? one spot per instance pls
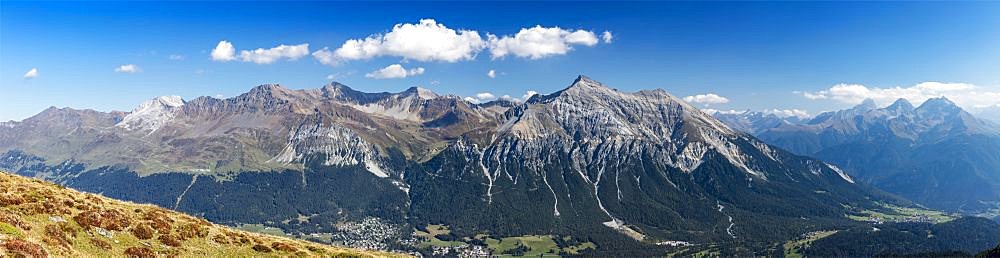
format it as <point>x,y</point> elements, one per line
<point>893,213</point>
<point>430,236</point>
<point>792,247</point>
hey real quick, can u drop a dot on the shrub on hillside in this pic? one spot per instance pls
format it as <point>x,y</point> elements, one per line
<point>54,235</point>
<point>106,219</point>
<point>192,230</point>
<point>284,247</point>
<point>169,240</point>
<point>139,252</point>
<point>221,239</point>
<point>261,248</point>
<point>142,231</point>
<point>14,220</point>
<point>161,222</point>
<point>18,247</point>
<point>11,200</point>
<point>101,243</point>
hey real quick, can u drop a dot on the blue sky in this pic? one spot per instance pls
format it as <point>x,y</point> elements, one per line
<point>755,55</point>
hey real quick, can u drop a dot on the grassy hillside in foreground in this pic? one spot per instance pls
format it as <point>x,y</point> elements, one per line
<point>39,219</point>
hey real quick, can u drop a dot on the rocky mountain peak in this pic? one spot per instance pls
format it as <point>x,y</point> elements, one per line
<point>420,93</point>
<point>901,105</point>
<point>335,89</point>
<point>867,104</point>
<point>583,82</point>
<point>939,104</point>
<point>267,88</point>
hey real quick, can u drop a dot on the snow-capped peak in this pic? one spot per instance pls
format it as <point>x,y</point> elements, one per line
<point>152,114</point>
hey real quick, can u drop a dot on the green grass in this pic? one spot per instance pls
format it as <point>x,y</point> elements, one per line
<point>430,238</point>
<point>8,229</point>
<point>577,248</point>
<point>891,213</point>
<point>259,228</point>
<point>537,245</point>
<point>804,243</point>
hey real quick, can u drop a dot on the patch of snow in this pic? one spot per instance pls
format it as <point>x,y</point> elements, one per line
<point>152,114</point>
<point>841,173</point>
<point>673,243</point>
<point>729,230</point>
<point>374,168</point>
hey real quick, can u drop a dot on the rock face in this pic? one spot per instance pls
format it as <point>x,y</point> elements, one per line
<point>626,169</point>
<point>935,154</point>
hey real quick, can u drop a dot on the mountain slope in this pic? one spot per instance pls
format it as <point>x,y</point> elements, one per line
<point>39,219</point>
<point>935,154</point>
<point>645,164</point>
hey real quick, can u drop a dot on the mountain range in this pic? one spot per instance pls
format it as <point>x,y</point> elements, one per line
<point>936,154</point>
<point>621,172</point>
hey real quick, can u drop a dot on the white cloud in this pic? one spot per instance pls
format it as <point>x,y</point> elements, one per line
<point>539,42</point>
<point>31,74</point>
<point>325,56</point>
<point>725,112</point>
<point>788,113</point>
<point>485,96</point>
<point>425,41</point>
<point>176,57</point>
<point>429,40</point>
<point>267,56</point>
<point>783,113</point>
<point>128,68</point>
<point>488,96</point>
<point>224,51</point>
<point>527,95</point>
<point>706,99</point>
<point>492,73</point>
<point>330,77</point>
<point>963,94</point>
<point>395,71</point>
